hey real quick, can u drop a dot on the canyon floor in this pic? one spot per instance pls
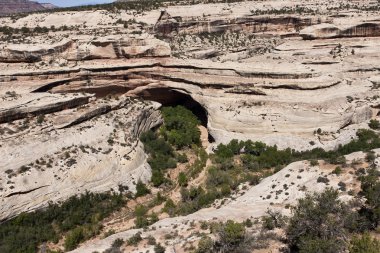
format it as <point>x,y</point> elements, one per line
<point>76,95</point>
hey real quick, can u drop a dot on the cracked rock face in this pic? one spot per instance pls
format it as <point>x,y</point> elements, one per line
<point>93,147</point>
<point>72,108</point>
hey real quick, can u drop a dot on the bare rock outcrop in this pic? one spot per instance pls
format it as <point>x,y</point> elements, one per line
<point>328,31</point>
<point>74,101</point>
<point>78,50</point>
<point>169,26</point>
<point>94,147</point>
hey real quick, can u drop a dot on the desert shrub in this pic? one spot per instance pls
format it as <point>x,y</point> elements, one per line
<point>273,220</point>
<point>217,177</point>
<point>318,222</point>
<point>248,223</point>
<point>230,236</point>
<point>313,162</point>
<point>324,180</point>
<point>141,189</point>
<point>151,240</point>
<point>370,189</point>
<point>374,124</point>
<point>182,158</point>
<point>342,186</point>
<point>364,244</point>
<point>73,238</point>
<point>115,247</point>
<point>142,218</point>
<point>40,119</point>
<point>317,245</point>
<point>205,245</point>
<point>370,157</point>
<point>158,248</point>
<point>135,239</point>
<point>337,170</point>
<point>182,179</point>
<point>169,207</point>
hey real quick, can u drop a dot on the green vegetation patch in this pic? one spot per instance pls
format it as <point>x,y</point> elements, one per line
<point>78,218</point>
<point>179,131</point>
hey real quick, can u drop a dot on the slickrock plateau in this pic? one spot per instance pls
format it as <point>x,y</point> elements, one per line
<point>79,88</point>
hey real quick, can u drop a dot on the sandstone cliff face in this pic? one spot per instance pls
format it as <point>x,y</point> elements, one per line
<point>324,31</point>
<point>106,48</point>
<point>90,148</point>
<point>269,84</point>
<point>168,26</point>
<point>283,106</point>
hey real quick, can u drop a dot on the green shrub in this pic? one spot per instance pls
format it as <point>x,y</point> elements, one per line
<point>157,178</point>
<point>318,221</point>
<point>182,158</point>
<point>180,126</point>
<point>117,243</point>
<point>135,239</point>
<point>151,240</point>
<point>205,245</point>
<point>141,222</point>
<point>273,220</point>
<point>79,217</point>
<point>313,162</point>
<point>142,219</point>
<point>318,245</point>
<point>180,129</point>
<point>374,124</point>
<point>40,119</point>
<point>182,179</point>
<point>230,236</point>
<point>141,189</point>
<point>364,244</point>
<point>169,207</point>
<point>337,170</point>
<point>73,238</point>
<point>158,248</point>
<point>370,185</point>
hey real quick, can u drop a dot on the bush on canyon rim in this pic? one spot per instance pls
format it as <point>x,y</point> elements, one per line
<point>257,155</point>
<point>322,223</point>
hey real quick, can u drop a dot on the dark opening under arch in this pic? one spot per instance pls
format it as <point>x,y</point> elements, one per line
<point>170,97</point>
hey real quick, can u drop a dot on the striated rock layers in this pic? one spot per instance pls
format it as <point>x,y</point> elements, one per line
<point>93,147</point>
<point>169,26</point>
<point>104,48</point>
<point>71,112</point>
<point>326,31</point>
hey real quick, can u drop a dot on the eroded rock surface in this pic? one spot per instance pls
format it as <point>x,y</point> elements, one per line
<point>73,100</point>
<point>93,147</point>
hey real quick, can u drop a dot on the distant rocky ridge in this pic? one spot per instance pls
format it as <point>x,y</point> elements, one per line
<point>48,6</point>
<point>20,6</point>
